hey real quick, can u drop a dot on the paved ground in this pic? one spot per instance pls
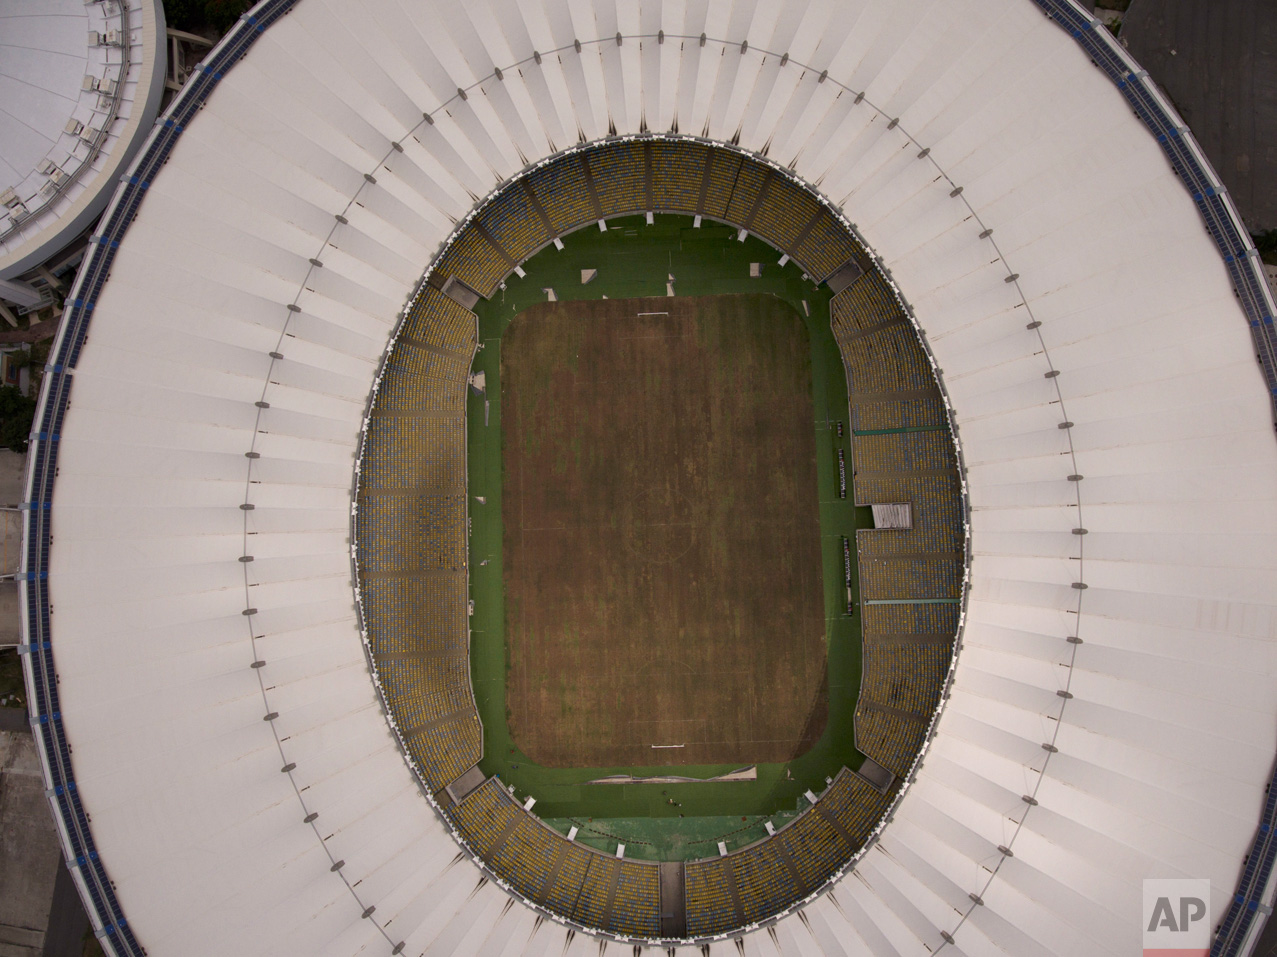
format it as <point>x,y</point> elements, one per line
<point>29,854</point>
<point>68,924</point>
<point>1217,60</point>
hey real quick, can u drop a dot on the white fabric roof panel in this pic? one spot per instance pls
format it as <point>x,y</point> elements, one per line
<point>1166,747</point>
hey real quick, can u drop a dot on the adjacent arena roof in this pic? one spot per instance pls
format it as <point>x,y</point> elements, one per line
<point>1112,716</point>
<point>81,85</point>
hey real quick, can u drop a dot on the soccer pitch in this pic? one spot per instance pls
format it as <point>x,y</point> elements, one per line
<point>788,707</point>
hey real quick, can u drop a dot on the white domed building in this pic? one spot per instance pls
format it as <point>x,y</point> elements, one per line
<point>1094,313</point>
<point>81,86</point>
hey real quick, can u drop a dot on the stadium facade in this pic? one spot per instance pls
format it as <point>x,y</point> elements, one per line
<point>1035,201</point>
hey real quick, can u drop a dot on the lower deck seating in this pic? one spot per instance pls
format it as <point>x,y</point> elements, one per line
<point>485,814</point>
<point>905,452</point>
<point>723,170</point>
<point>678,169</point>
<point>866,303</point>
<point>636,908</point>
<point>620,177</point>
<point>888,360</point>
<point>474,261</point>
<point>401,392</point>
<point>871,414</point>
<point>417,615</point>
<point>436,320</point>
<point>513,224</point>
<point>929,621</point>
<point>907,577</point>
<point>815,847</point>
<point>591,901</point>
<point>763,881</point>
<point>395,540</point>
<point>407,451</point>
<point>893,740</point>
<point>786,211</point>
<point>710,904</point>
<point>564,194</point>
<point>826,247</point>
<point>426,689</point>
<point>527,857</point>
<point>854,805</point>
<point>563,893</point>
<point>745,191</point>
<point>905,675</point>
<point>415,360</point>
<point>445,751</point>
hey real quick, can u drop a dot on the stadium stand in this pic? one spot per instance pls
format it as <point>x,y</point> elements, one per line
<point>865,304</point>
<point>444,750</point>
<point>871,414</point>
<point>528,856</point>
<point>888,360</point>
<point>723,170</point>
<point>745,192</point>
<point>898,622</point>
<point>475,261</point>
<point>434,319</point>
<point>889,738</point>
<point>426,688</point>
<point>564,194</point>
<point>636,907</point>
<point>413,452</point>
<point>592,899</point>
<point>763,883</point>
<point>767,877</point>
<point>905,452</point>
<point>785,213</point>
<point>711,897</point>
<point>395,540</point>
<point>815,847</point>
<point>905,676</point>
<point>513,225</point>
<point>902,452</point>
<point>681,169</point>
<point>563,892</point>
<point>486,815</point>
<point>594,889</point>
<point>620,177</point>
<point>853,806</point>
<point>826,246</point>
<point>421,616</point>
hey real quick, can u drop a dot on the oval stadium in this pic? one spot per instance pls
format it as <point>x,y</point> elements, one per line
<point>709,477</point>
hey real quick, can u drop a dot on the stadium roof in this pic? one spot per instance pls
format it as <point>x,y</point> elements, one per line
<point>80,84</point>
<point>1095,333</point>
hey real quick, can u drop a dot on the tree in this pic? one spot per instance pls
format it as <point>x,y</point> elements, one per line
<point>16,414</point>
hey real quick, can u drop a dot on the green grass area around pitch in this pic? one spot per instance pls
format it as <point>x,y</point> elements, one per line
<point>634,260</point>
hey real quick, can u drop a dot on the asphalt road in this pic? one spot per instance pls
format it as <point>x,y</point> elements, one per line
<point>67,921</point>
<point>1217,61</point>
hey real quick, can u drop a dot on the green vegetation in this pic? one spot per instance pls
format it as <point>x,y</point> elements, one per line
<point>12,692</point>
<point>16,414</point>
<point>1266,243</point>
<point>634,260</point>
<point>200,16</point>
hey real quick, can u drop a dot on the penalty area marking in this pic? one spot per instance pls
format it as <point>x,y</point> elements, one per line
<point>651,313</point>
<point>669,746</point>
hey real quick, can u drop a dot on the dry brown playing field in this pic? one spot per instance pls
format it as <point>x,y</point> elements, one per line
<point>661,533</point>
